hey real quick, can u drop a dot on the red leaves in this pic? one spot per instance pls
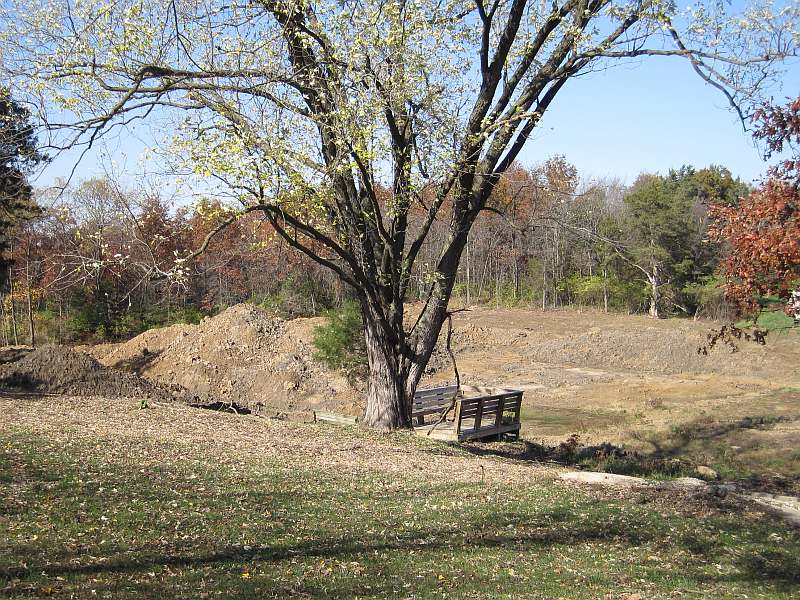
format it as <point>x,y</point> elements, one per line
<point>764,236</point>
<point>763,231</point>
<point>779,127</point>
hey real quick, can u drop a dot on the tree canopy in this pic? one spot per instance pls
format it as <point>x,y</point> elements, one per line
<point>663,230</point>
<point>763,229</point>
<point>303,111</point>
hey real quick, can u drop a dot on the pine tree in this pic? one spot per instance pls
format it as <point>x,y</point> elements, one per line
<point>18,157</point>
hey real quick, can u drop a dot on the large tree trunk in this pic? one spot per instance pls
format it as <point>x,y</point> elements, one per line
<point>469,276</point>
<point>388,407</point>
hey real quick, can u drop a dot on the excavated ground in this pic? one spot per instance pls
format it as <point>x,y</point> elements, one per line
<point>244,356</point>
<point>605,377</point>
<point>63,371</point>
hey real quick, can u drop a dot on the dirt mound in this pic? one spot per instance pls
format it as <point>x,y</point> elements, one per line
<point>629,344</point>
<point>11,354</point>
<point>61,370</point>
<point>244,356</point>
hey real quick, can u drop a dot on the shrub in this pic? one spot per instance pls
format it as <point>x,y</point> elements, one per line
<point>340,342</point>
<point>88,322</point>
<point>707,296</point>
<point>297,297</point>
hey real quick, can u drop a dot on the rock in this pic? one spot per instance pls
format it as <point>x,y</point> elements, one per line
<point>725,488</point>
<point>706,472</point>
<point>683,484</point>
<point>605,479</point>
<point>786,507</point>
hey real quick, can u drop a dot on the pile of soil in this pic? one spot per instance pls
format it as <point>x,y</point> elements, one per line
<point>11,354</point>
<point>61,370</point>
<point>243,356</point>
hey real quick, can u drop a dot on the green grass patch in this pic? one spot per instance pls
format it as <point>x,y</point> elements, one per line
<point>771,320</point>
<point>110,519</point>
<point>741,447</point>
<point>555,421</point>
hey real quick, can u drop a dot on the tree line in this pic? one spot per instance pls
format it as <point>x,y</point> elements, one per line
<point>305,112</point>
<point>92,262</point>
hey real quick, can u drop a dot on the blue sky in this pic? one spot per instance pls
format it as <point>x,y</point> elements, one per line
<point>648,116</point>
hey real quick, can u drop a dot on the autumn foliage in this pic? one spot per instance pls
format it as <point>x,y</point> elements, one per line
<point>763,230</point>
<point>764,236</point>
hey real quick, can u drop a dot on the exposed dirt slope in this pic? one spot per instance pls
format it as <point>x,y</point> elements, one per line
<point>61,370</point>
<point>565,360</point>
<point>615,342</point>
<point>243,355</point>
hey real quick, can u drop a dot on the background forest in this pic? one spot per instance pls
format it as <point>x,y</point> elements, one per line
<point>92,265</point>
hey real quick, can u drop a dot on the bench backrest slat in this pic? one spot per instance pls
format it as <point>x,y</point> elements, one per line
<point>427,401</point>
<point>421,393</point>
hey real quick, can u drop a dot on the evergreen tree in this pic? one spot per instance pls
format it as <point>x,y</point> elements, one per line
<point>18,157</point>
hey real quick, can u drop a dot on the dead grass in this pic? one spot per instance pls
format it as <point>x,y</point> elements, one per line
<point>253,440</point>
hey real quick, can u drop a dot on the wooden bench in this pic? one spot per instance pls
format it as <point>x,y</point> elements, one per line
<point>479,412</point>
<point>431,401</point>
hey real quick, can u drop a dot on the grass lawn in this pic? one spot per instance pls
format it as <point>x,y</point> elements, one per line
<point>117,518</point>
<point>755,441</point>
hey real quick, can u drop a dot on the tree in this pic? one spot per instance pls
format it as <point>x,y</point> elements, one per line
<point>665,230</point>
<point>301,110</point>
<point>763,229</point>
<point>18,156</point>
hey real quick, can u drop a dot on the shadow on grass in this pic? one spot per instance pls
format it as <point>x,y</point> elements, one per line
<point>780,567</point>
<point>396,536</point>
<point>572,452</point>
<point>669,457</point>
<point>705,430</point>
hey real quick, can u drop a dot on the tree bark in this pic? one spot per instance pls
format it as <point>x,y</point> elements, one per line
<point>13,310</point>
<point>469,275</point>
<point>31,326</point>
<point>388,405</point>
<point>3,315</point>
<point>654,284</point>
